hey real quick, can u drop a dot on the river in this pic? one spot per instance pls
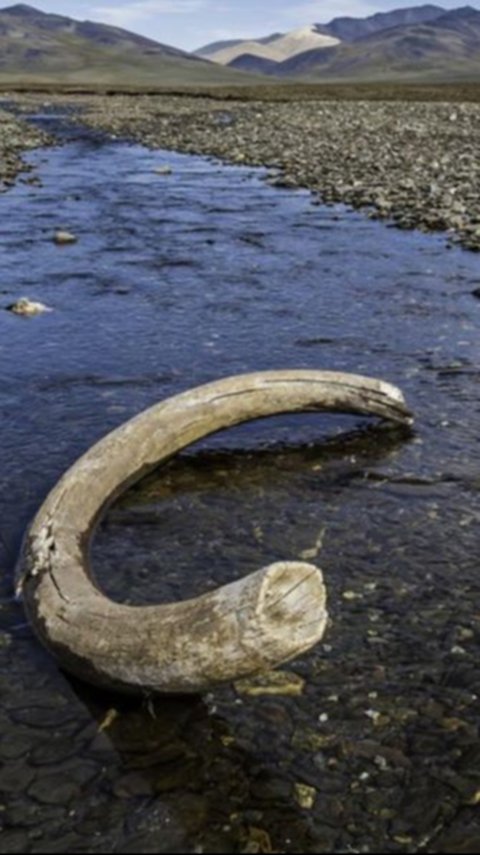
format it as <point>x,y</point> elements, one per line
<point>176,280</point>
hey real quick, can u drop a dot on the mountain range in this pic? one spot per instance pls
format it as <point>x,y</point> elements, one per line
<point>422,42</point>
<point>426,43</point>
<point>39,47</point>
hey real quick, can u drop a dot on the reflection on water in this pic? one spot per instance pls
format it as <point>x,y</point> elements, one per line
<point>177,280</point>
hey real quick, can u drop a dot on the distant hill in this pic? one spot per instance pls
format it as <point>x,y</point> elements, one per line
<point>351,29</point>
<point>418,43</point>
<point>277,47</point>
<point>445,48</point>
<point>215,47</point>
<point>40,47</point>
<point>254,64</point>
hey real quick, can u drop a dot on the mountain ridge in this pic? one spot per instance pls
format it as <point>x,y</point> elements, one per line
<point>425,42</point>
<point>444,48</point>
<point>45,47</point>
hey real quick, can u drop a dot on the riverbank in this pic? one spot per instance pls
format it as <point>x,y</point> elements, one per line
<point>413,164</point>
<point>16,137</point>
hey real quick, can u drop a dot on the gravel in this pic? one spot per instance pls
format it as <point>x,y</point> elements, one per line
<point>16,137</point>
<point>414,164</point>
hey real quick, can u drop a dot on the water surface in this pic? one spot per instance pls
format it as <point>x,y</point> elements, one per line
<point>175,281</point>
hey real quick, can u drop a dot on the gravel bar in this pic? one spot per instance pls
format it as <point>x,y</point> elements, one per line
<point>16,137</point>
<point>414,164</point>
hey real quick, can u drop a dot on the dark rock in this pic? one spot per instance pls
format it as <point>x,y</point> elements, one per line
<point>16,779</point>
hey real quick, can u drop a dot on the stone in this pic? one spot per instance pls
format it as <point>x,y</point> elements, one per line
<point>28,308</point>
<point>16,779</point>
<point>304,796</point>
<point>63,237</point>
<point>273,683</point>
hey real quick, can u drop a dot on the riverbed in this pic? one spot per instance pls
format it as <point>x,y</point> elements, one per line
<point>175,280</point>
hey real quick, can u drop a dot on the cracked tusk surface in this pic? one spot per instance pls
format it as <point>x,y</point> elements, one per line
<point>238,630</point>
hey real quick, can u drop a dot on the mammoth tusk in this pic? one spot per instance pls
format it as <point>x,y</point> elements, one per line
<point>238,630</point>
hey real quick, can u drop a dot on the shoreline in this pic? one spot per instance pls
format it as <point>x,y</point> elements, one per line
<point>413,165</point>
<point>16,138</point>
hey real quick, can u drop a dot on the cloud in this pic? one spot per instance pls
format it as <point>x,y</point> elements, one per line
<point>142,10</point>
<point>322,11</point>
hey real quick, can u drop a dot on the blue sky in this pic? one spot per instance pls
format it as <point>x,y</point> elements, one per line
<point>189,24</point>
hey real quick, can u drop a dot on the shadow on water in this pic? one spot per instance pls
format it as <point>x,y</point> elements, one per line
<point>175,281</point>
<point>211,516</point>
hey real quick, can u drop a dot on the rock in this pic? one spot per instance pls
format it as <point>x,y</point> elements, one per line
<point>16,779</point>
<point>272,683</point>
<point>132,785</point>
<point>304,796</point>
<point>28,308</point>
<point>476,293</point>
<point>267,788</point>
<point>14,841</point>
<point>62,237</point>
<point>58,789</point>
<point>258,841</point>
<point>310,740</point>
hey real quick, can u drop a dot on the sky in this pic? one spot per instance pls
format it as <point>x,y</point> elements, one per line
<point>190,24</point>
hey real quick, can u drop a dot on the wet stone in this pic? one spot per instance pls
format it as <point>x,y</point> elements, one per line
<point>132,785</point>
<point>63,787</point>
<point>274,714</point>
<point>283,683</point>
<point>65,843</point>
<point>174,776</point>
<point>43,718</point>
<point>63,237</point>
<point>55,750</point>
<point>153,825</point>
<point>463,840</point>
<point>30,815</point>
<point>28,308</point>
<point>13,841</point>
<point>54,790</point>
<point>16,779</point>
<point>266,788</point>
<point>14,746</point>
<point>305,796</point>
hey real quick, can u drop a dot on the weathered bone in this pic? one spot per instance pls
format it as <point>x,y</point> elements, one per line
<point>244,628</point>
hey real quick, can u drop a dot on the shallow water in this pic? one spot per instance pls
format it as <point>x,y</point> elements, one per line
<point>177,280</point>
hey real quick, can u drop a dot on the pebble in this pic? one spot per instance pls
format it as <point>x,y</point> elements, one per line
<point>62,237</point>
<point>273,683</point>
<point>305,796</point>
<point>28,308</point>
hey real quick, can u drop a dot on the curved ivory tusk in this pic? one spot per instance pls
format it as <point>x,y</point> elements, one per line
<point>241,629</point>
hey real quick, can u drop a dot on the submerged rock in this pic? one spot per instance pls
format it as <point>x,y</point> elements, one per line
<point>28,308</point>
<point>305,796</point>
<point>64,237</point>
<point>272,683</point>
